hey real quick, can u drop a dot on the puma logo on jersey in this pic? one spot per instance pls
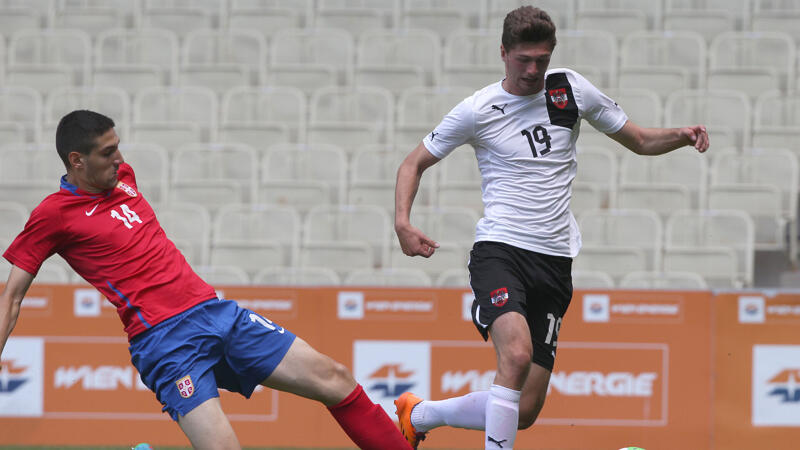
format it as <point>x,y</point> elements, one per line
<point>499,443</point>
<point>90,212</point>
<point>433,135</point>
<point>502,109</point>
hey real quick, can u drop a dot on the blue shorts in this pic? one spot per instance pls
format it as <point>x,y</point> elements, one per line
<point>215,344</point>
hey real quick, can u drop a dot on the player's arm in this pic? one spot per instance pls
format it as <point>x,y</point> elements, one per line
<point>657,141</point>
<point>412,240</point>
<point>10,300</point>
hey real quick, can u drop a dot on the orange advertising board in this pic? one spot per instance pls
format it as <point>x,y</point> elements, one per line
<point>633,368</point>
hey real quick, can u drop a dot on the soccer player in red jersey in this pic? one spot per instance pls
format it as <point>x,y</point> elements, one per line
<point>184,342</point>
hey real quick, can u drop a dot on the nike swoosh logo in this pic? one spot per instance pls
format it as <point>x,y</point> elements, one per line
<point>89,213</point>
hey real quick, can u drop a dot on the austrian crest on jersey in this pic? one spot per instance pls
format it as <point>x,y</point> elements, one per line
<point>561,105</point>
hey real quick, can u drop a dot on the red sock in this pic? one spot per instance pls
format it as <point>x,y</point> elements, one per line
<point>367,423</point>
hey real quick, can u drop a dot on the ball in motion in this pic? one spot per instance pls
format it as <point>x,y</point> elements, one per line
<point>631,448</point>
<point>142,446</point>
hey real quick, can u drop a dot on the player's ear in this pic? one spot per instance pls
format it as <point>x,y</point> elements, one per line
<point>75,160</point>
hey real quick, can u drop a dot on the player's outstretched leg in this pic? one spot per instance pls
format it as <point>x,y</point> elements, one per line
<point>207,427</point>
<point>310,374</point>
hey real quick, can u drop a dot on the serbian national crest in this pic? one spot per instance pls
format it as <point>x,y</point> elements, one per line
<point>127,189</point>
<point>185,386</point>
<point>559,97</point>
<point>499,296</point>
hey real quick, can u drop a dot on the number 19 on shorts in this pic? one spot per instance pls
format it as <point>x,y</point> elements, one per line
<point>554,325</point>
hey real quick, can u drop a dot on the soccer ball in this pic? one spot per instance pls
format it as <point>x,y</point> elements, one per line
<point>631,448</point>
<point>142,446</point>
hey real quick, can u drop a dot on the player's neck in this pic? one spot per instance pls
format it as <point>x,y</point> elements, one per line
<point>81,184</point>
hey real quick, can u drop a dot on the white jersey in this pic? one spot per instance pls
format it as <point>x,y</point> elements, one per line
<point>525,146</point>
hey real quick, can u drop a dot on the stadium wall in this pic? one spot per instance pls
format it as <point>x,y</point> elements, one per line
<point>656,369</point>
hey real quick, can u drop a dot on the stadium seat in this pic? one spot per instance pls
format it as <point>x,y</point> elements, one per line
<point>256,236</point>
<point>48,58</point>
<point>347,116</point>
<point>615,260</point>
<point>219,59</point>
<point>598,167</point>
<point>623,229</point>
<point>172,116</point>
<point>303,175</point>
<point>472,59</point>
<point>663,280</point>
<point>22,107</point>
<point>258,116</point>
<point>311,58</point>
<point>443,17</point>
<point>739,11</point>
<point>357,16</point>
<point>188,226</point>
<point>661,198</point>
<point>214,174</point>
<point>132,60</point>
<point>29,173</point>
<point>707,23</point>
<point>585,197</point>
<point>643,106</point>
<point>661,60</point>
<point>151,164</point>
<point>449,255</point>
<point>458,180</point>
<point>269,16</point>
<point>296,276</point>
<point>777,121</point>
<point>591,279</point>
<point>92,19</point>
<point>388,277</point>
<point>452,224</point>
<point>372,179</point>
<point>561,12</point>
<point>398,59</point>
<point>222,275</point>
<point>111,101</point>
<point>726,114</point>
<point>782,16</point>
<point>13,216</point>
<point>619,23</point>
<point>763,182</point>
<point>347,231</point>
<point>24,16</point>
<point>179,16</point>
<point>651,10</point>
<point>457,277</point>
<point>736,59</point>
<point>420,109</point>
<point>592,53</point>
<point>52,274</point>
<point>683,172</point>
<point>717,245</point>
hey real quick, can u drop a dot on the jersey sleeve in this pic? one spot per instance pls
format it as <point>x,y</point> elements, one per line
<point>456,129</point>
<point>598,109</point>
<point>37,241</point>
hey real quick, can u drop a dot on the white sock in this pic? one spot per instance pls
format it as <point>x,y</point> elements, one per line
<point>467,411</point>
<point>502,418</point>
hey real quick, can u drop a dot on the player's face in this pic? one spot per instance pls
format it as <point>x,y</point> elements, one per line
<point>526,64</point>
<point>101,164</point>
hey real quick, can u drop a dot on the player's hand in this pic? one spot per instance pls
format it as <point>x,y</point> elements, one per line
<point>698,136</point>
<point>414,242</point>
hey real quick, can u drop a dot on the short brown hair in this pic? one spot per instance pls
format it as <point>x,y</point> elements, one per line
<point>528,24</point>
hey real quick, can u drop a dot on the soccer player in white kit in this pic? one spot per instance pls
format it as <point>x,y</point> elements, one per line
<point>523,130</point>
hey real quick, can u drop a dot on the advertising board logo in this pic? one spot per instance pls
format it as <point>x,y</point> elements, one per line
<point>751,309</point>
<point>609,383</point>
<point>12,376</point>
<point>786,386</point>
<point>350,305</point>
<point>596,308</point>
<point>776,385</point>
<point>87,303</point>
<point>386,369</point>
<point>466,306</point>
<point>21,378</point>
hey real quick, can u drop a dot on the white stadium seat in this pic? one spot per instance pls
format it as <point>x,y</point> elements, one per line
<point>592,53</point>
<point>752,62</point>
<point>680,171</point>
<point>350,116</point>
<point>561,12</point>
<point>296,276</point>
<point>357,16</point>
<point>22,106</point>
<point>398,59</point>
<point>388,277</point>
<point>457,277</point>
<point>29,173</point>
<point>663,280</point>
<point>219,59</point>
<point>188,225</point>
<point>256,236</point>
<point>302,175</point>
<point>420,109</point>
<point>471,59</point>
<point>643,106</point>
<point>179,16</point>
<point>269,16</point>
<point>48,58</point>
<point>637,229</point>
<point>110,101</point>
<point>598,167</point>
<point>443,17</point>
<point>133,60</point>
<point>151,164</point>
<point>171,116</point>
<point>659,57</point>
<point>329,230</point>
<point>726,114</point>
<point>216,275</point>
<point>591,279</point>
<point>307,58</point>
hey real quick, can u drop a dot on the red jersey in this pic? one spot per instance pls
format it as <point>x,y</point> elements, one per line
<point>114,241</point>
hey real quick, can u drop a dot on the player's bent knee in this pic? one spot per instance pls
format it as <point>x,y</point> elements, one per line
<point>528,416</point>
